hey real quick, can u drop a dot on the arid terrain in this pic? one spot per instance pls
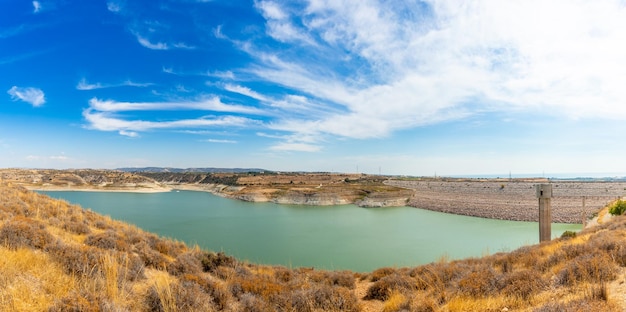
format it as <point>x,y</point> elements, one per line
<point>508,199</point>
<point>59,257</point>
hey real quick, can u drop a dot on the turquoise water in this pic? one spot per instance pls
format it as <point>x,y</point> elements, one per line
<point>328,237</point>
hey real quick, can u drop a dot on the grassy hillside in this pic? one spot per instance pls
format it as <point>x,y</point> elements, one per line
<point>58,257</point>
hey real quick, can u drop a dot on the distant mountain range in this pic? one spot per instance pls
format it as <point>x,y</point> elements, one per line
<point>185,170</point>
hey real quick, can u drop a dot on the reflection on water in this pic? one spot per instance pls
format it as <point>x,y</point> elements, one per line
<point>329,237</point>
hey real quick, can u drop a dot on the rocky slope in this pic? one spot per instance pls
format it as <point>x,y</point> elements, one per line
<point>511,199</point>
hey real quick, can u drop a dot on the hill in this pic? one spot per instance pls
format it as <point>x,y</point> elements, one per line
<point>59,257</point>
<point>192,170</point>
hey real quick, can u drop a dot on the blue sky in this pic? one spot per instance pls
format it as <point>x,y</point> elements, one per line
<point>398,87</point>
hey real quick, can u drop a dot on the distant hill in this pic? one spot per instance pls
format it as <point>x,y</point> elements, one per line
<point>186,170</point>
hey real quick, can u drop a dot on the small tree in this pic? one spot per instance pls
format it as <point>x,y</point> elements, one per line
<point>618,208</point>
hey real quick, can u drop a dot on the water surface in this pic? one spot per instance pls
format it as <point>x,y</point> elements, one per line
<point>329,237</point>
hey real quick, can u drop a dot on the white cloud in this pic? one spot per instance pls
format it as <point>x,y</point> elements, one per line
<point>152,46</point>
<point>245,91</point>
<point>36,6</point>
<point>385,66</point>
<point>130,134</point>
<point>106,122</point>
<point>211,104</point>
<point>34,96</point>
<point>85,86</point>
<point>114,7</point>
<point>147,43</point>
<point>296,147</point>
<point>220,141</point>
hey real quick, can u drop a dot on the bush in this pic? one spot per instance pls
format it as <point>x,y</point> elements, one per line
<point>380,273</point>
<point>479,283</point>
<point>324,298</point>
<point>334,278</point>
<point>568,234</point>
<point>211,261</point>
<point>107,240</point>
<point>82,261</point>
<point>151,257</point>
<point>23,232</point>
<point>75,301</point>
<point>618,208</point>
<point>186,263</point>
<point>523,284</point>
<point>217,292</point>
<point>76,227</point>
<point>383,288</point>
<point>587,268</point>
<point>174,297</point>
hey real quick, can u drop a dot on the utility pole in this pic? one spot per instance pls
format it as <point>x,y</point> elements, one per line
<point>544,194</point>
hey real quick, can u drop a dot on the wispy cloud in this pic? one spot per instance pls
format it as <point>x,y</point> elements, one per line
<point>33,96</point>
<point>108,115</point>
<point>36,6</point>
<point>56,158</point>
<point>105,121</point>
<point>382,70</point>
<point>114,6</point>
<point>245,91</point>
<point>220,141</point>
<point>84,85</point>
<point>159,45</point>
<point>295,147</point>
<point>210,104</point>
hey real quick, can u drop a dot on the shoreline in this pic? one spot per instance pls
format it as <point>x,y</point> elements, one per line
<point>92,189</point>
<point>500,200</point>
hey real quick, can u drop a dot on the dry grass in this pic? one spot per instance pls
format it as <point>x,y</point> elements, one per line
<point>58,257</point>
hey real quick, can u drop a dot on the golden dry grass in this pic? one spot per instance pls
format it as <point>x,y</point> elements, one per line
<point>58,257</point>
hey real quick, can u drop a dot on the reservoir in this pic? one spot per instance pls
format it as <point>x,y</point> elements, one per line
<point>325,237</point>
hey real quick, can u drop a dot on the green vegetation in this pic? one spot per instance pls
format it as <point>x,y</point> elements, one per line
<point>617,208</point>
<point>59,257</point>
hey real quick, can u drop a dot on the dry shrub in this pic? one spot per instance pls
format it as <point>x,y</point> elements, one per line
<point>380,273</point>
<point>108,240</point>
<point>423,303</point>
<point>396,302</point>
<point>77,302</point>
<point>251,303</point>
<point>429,276</point>
<point>587,268</point>
<point>550,261</point>
<point>479,283</point>
<point>187,296</point>
<point>165,246</point>
<point>523,284</point>
<point>613,243</point>
<point>575,250</point>
<point>324,298</point>
<point>81,261</point>
<point>186,263</point>
<point>283,274</point>
<point>579,305</point>
<point>384,287</point>
<point>76,227</point>
<point>218,293</point>
<point>598,292</point>
<point>261,286</point>
<point>24,232</point>
<point>334,278</point>
<point>211,261</point>
<point>151,257</point>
